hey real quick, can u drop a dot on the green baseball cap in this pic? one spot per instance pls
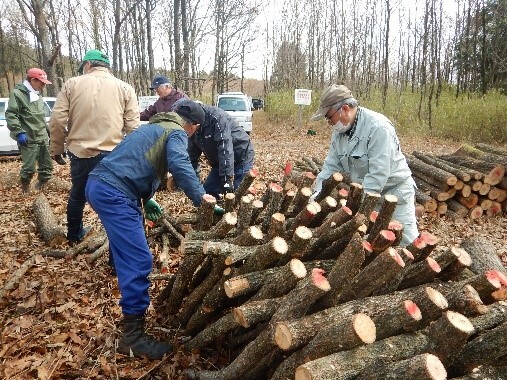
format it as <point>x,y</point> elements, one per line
<point>93,55</point>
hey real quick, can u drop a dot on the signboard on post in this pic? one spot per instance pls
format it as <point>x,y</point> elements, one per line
<point>302,97</point>
<point>146,101</point>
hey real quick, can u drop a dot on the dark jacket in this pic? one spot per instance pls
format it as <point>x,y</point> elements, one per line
<point>162,104</point>
<point>222,140</point>
<point>140,162</point>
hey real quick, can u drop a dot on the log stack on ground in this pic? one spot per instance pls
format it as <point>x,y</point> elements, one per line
<point>294,294</point>
<point>300,294</point>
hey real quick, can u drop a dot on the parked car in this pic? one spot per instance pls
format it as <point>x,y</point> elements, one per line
<point>9,146</point>
<point>239,106</point>
<point>257,103</point>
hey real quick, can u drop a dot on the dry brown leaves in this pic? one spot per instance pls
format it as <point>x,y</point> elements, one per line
<point>61,319</point>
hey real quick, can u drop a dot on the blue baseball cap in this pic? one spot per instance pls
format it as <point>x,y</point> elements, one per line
<point>159,80</point>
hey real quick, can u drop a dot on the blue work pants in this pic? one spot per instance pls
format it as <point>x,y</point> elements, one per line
<point>123,221</point>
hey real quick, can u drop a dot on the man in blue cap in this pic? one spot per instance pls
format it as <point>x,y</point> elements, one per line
<point>92,114</point>
<point>167,97</point>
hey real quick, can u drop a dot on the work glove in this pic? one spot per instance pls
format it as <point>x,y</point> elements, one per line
<point>21,139</point>
<point>228,186</point>
<point>152,210</point>
<point>218,210</point>
<point>59,159</point>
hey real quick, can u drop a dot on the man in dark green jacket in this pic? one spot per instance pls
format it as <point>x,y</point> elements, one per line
<point>26,121</point>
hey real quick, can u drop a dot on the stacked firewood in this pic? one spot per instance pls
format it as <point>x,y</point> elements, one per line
<point>467,183</point>
<point>319,289</point>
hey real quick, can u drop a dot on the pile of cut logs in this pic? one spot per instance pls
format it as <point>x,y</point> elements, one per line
<point>467,183</point>
<point>320,290</point>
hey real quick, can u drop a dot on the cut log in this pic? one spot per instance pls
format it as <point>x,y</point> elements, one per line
<point>245,184</point>
<point>219,328</point>
<point>493,173</point>
<point>441,208</point>
<point>382,241</point>
<point>244,214</point>
<point>205,212</point>
<point>484,203</point>
<point>465,301</point>
<point>355,196</point>
<point>273,206</point>
<point>347,266</point>
<point>251,236</point>
<point>429,203</point>
<point>328,185</point>
<point>300,200</point>
<point>16,277</point>
<point>224,225</point>
<point>287,201</point>
<point>265,255</point>
<point>349,364</point>
<point>431,171</point>
<point>432,181</point>
<point>483,254</point>
<point>343,335</point>
<point>457,207</point>
<point>441,164</point>
<point>185,271</point>
<point>45,221</point>
<point>420,273</point>
<point>304,218</point>
<point>337,218</point>
<point>253,312</point>
<point>229,202</point>
<point>327,206</point>
<point>257,207</point>
<point>299,243</point>
<point>469,202</point>
<point>277,227</point>
<point>281,282</point>
<point>434,192</point>
<point>384,216</point>
<point>475,212</point>
<point>381,269</point>
<point>420,367</point>
<point>495,209</point>
<point>466,150</point>
<point>402,318</point>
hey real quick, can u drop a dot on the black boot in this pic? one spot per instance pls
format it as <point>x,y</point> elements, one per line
<point>25,185</point>
<point>40,185</point>
<point>136,342</point>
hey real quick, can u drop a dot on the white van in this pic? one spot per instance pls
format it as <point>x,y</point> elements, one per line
<point>239,106</point>
<point>9,146</point>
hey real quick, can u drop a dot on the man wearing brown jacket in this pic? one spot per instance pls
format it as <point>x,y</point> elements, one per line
<point>92,114</point>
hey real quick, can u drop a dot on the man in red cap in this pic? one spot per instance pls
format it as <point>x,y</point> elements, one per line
<point>26,120</point>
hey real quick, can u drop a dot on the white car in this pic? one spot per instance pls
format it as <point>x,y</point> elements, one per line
<point>239,106</point>
<point>9,146</point>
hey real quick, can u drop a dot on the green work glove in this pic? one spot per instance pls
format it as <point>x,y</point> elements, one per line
<point>218,210</point>
<point>152,210</point>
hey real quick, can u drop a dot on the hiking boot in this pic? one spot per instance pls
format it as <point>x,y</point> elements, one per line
<point>40,185</point>
<point>25,186</point>
<point>84,232</point>
<point>135,341</point>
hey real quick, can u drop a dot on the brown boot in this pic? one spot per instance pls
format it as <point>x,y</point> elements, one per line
<point>25,186</point>
<point>40,185</point>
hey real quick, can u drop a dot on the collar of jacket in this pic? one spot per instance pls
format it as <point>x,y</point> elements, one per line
<point>99,70</point>
<point>166,118</point>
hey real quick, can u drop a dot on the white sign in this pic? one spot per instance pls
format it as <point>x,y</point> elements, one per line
<point>303,97</point>
<point>146,101</point>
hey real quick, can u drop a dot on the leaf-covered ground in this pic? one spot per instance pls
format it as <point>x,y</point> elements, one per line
<point>60,320</point>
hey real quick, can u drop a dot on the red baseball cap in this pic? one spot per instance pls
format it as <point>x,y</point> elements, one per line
<point>38,74</point>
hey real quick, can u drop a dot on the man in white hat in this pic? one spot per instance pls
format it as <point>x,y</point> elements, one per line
<point>364,144</point>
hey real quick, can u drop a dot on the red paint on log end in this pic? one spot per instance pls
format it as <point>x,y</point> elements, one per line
<point>433,265</point>
<point>288,168</point>
<point>407,253</point>
<point>429,238</point>
<point>388,235</point>
<point>396,257</point>
<point>319,279</point>
<point>347,210</point>
<point>496,278</point>
<point>252,190</point>
<point>373,216</point>
<point>209,198</point>
<point>395,225</point>
<point>413,310</point>
<point>254,172</point>
<point>367,246</point>
<point>275,187</point>
<point>343,193</point>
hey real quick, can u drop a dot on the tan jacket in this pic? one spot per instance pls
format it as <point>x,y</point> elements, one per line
<point>92,113</point>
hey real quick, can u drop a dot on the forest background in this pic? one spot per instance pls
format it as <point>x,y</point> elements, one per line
<point>435,67</point>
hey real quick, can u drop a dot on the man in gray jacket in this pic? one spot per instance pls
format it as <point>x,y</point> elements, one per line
<point>364,144</point>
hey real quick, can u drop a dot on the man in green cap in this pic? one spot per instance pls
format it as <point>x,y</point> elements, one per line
<point>26,120</point>
<point>92,114</point>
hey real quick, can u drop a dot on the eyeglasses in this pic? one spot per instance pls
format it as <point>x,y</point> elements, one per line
<point>331,116</point>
